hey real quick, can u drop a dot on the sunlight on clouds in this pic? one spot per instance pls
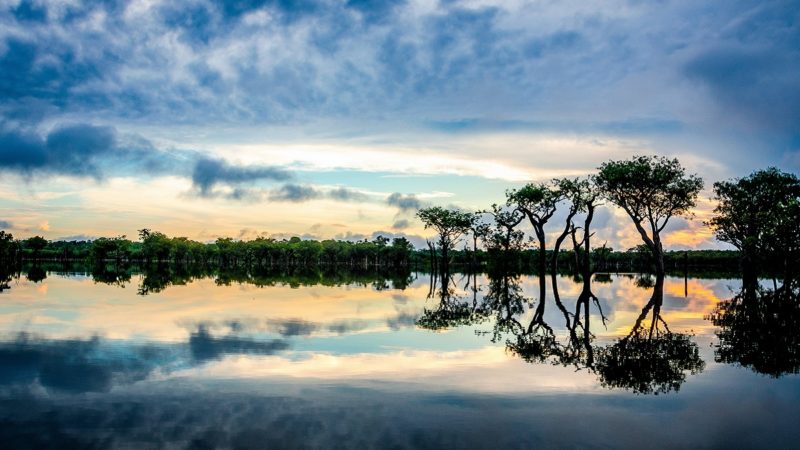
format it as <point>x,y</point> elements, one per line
<point>409,161</point>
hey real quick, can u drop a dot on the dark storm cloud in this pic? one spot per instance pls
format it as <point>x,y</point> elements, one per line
<point>759,84</point>
<point>208,172</point>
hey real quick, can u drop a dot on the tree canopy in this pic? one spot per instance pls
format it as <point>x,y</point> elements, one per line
<point>651,190</point>
<point>759,214</point>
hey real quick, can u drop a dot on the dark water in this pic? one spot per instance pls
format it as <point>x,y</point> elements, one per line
<point>168,360</point>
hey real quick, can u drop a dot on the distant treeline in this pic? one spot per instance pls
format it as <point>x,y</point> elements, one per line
<point>154,278</point>
<point>155,247</point>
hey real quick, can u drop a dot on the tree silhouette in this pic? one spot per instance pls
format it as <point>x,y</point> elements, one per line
<point>760,215</point>
<point>452,310</point>
<point>758,329</point>
<point>35,244</point>
<point>651,190</point>
<point>538,201</point>
<point>450,225</point>
<point>650,359</point>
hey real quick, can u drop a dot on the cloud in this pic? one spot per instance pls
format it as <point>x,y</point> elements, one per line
<point>294,193</point>
<point>85,150</point>
<point>757,84</point>
<point>69,150</point>
<point>401,224</point>
<point>345,194</point>
<point>6,224</point>
<point>209,172</point>
<point>405,203</point>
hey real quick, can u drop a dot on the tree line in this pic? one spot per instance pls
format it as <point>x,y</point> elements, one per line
<point>157,247</point>
<point>759,215</point>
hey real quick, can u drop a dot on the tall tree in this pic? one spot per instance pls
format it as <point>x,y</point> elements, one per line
<point>582,195</point>
<point>651,190</point>
<point>760,215</point>
<point>450,224</point>
<point>538,202</point>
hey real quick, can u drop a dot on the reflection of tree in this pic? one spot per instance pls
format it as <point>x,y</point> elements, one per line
<point>111,274</point>
<point>651,359</point>
<point>758,329</point>
<point>452,310</point>
<point>158,277</point>
<point>36,274</point>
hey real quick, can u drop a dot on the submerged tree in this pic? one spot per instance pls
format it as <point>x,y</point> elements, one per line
<point>449,224</point>
<point>651,190</point>
<point>760,215</point>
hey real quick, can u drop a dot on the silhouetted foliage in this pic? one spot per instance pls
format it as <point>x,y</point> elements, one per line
<point>36,274</point>
<point>35,245</point>
<point>760,215</point>
<point>449,225</point>
<point>651,190</point>
<point>758,329</point>
<point>651,359</point>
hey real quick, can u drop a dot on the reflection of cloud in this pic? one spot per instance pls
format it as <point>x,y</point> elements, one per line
<point>204,346</point>
<point>97,365</point>
<point>74,365</point>
<point>292,327</point>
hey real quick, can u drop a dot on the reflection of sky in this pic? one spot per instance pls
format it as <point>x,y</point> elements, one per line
<point>244,366</point>
<point>66,306</point>
<point>327,332</point>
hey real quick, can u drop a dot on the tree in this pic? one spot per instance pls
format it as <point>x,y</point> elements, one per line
<point>760,216</point>
<point>538,202</point>
<point>36,244</point>
<point>504,236</point>
<point>651,190</point>
<point>8,247</point>
<point>582,195</point>
<point>450,225</point>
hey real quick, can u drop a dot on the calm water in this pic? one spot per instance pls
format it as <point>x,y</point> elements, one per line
<point>239,361</point>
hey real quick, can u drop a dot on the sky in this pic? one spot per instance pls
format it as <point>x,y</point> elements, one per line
<point>341,118</point>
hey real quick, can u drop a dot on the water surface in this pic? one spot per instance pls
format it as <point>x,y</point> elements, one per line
<point>172,359</point>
